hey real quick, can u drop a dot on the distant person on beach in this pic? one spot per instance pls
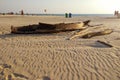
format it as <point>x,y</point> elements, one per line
<point>70,15</point>
<point>45,10</point>
<point>66,15</point>
<point>22,12</point>
<point>116,13</point>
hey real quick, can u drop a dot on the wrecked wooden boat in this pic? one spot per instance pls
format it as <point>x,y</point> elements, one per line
<point>49,28</point>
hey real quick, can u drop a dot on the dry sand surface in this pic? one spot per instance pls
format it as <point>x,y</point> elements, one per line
<point>53,57</point>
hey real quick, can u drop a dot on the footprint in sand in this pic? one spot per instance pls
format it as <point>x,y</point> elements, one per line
<point>6,73</point>
<point>44,78</point>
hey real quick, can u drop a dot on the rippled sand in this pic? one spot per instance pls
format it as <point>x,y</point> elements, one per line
<point>53,57</point>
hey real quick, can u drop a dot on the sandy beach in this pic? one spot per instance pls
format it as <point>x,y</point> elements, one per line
<point>52,56</point>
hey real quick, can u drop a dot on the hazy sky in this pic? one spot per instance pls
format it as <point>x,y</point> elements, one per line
<point>60,6</point>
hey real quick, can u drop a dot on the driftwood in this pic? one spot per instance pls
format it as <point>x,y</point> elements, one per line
<point>91,32</point>
<point>86,30</point>
<point>49,28</point>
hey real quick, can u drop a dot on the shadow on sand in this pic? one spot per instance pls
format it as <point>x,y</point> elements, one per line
<point>95,44</point>
<point>10,35</point>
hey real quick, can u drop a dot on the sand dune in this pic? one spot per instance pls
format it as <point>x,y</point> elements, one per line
<point>53,57</point>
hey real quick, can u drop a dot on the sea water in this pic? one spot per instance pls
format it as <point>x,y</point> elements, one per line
<point>99,15</point>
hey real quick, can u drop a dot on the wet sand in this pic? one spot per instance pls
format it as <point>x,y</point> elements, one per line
<point>53,57</point>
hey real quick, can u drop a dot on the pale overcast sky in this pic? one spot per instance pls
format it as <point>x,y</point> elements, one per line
<point>61,6</point>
